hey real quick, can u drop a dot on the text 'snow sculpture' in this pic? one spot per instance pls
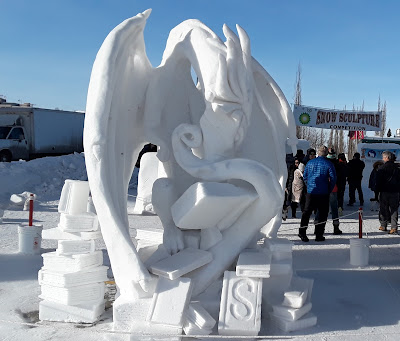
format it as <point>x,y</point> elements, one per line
<point>227,131</point>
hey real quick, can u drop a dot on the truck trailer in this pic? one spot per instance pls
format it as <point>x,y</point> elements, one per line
<point>27,132</point>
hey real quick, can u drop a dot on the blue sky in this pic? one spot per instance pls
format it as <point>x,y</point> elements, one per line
<point>349,50</point>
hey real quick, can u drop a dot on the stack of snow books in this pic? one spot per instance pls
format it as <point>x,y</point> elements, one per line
<point>287,297</point>
<point>262,275</point>
<point>72,278</point>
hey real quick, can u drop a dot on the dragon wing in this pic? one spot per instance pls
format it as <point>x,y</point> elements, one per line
<point>271,127</point>
<point>113,137</point>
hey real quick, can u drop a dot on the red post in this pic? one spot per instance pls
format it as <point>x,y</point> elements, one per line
<point>360,222</point>
<point>31,209</point>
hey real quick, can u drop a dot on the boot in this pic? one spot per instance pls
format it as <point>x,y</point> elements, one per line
<point>336,229</point>
<point>302,235</point>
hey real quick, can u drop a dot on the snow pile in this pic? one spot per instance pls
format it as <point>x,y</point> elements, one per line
<point>44,177</point>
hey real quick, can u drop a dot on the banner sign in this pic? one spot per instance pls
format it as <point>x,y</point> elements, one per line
<point>337,119</point>
<point>372,154</point>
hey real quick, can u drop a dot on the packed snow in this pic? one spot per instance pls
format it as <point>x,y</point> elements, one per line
<point>351,303</point>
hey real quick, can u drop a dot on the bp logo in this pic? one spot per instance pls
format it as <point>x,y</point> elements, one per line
<point>304,118</point>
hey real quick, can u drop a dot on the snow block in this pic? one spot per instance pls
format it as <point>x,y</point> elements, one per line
<point>54,262</point>
<point>170,302</point>
<point>191,329</point>
<point>181,263</point>
<point>278,244</point>
<point>209,237</point>
<point>58,234</point>
<point>82,222</point>
<point>73,247</point>
<point>307,321</point>
<point>74,197</point>
<point>298,293</point>
<point>70,279</point>
<point>240,310</point>
<point>82,294</point>
<point>205,204</point>
<point>254,264</point>
<point>83,313</point>
<point>291,314</point>
<point>197,315</point>
<point>294,298</point>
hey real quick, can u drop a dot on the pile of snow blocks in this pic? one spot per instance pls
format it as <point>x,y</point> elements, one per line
<point>287,298</point>
<point>72,278</point>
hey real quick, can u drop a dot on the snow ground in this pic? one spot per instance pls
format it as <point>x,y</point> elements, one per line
<point>350,303</point>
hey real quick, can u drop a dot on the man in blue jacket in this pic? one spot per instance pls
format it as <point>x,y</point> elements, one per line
<point>320,178</point>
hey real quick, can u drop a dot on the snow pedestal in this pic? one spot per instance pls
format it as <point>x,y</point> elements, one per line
<point>72,278</point>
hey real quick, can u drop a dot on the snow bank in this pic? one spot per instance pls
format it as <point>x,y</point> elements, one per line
<point>44,177</point>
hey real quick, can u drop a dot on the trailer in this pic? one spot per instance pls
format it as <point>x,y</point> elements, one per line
<point>27,132</point>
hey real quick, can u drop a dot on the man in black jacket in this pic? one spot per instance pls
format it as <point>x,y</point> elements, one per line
<point>388,185</point>
<point>355,169</point>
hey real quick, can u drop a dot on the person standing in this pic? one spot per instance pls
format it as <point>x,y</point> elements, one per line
<point>341,173</point>
<point>372,180</point>
<point>388,186</point>
<point>333,196</point>
<point>355,169</point>
<point>298,189</point>
<point>288,190</point>
<point>320,179</point>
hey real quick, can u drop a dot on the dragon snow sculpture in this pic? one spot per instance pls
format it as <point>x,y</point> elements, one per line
<point>232,127</point>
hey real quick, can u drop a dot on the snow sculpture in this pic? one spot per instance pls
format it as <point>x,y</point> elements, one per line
<point>230,128</point>
<point>72,278</point>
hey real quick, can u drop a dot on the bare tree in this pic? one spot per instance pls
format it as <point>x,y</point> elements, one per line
<point>378,133</point>
<point>300,131</point>
<point>341,142</point>
<point>322,138</point>
<point>336,140</point>
<point>383,127</point>
<point>330,140</point>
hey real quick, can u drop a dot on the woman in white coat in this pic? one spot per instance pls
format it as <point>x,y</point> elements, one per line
<point>298,186</point>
